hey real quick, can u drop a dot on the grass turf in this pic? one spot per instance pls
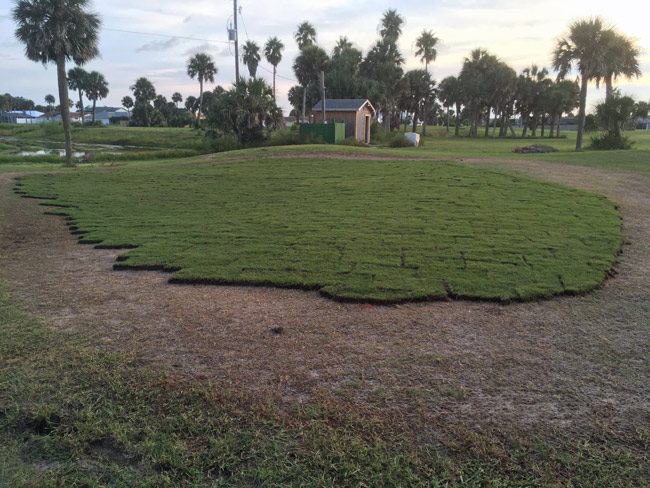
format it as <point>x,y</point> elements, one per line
<point>357,230</point>
<point>75,416</point>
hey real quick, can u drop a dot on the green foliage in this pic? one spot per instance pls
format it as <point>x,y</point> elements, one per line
<point>611,141</point>
<point>397,139</point>
<point>244,111</point>
<point>371,231</point>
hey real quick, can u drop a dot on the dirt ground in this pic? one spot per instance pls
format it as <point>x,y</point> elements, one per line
<point>572,363</point>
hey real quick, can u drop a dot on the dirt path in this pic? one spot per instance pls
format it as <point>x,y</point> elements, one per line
<point>575,363</point>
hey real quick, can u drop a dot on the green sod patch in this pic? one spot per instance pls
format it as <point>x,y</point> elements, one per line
<point>355,230</point>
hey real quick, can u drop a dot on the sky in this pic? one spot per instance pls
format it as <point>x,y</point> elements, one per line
<point>154,38</point>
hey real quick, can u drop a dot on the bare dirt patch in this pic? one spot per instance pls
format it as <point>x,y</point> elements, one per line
<point>572,363</point>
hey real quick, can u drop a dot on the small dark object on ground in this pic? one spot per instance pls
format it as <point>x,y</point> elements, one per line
<point>534,149</point>
<point>277,330</point>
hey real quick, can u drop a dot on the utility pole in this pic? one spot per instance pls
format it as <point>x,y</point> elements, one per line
<point>236,45</point>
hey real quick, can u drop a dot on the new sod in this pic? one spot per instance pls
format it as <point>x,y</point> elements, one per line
<point>359,230</point>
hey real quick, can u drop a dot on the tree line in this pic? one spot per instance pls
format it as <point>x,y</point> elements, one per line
<point>486,91</point>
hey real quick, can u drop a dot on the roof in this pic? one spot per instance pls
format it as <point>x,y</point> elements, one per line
<point>342,105</point>
<point>26,113</point>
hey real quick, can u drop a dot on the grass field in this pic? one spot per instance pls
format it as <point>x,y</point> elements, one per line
<point>74,416</point>
<point>379,231</point>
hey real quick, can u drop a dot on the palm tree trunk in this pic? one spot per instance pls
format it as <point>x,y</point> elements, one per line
<point>198,120</point>
<point>582,114</point>
<point>448,111</point>
<point>457,130</point>
<point>304,103</point>
<point>81,107</point>
<point>94,109</point>
<point>274,72</point>
<point>609,87</point>
<point>65,106</point>
<point>487,122</point>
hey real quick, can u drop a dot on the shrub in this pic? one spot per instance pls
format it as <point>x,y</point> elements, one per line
<point>609,141</point>
<point>397,139</point>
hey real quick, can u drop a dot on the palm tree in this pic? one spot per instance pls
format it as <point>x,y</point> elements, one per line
<point>56,31</point>
<point>251,57</point>
<point>77,81</point>
<point>50,100</point>
<point>273,54</point>
<point>342,45</point>
<point>391,26</point>
<point>96,89</point>
<point>426,45</point>
<point>177,98</point>
<point>144,92</point>
<point>450,94</point>
<point>621,59</point>
<point>585,48</point>
<point>305,35</point>
<point>201,66</point>
<point>308,66</point>
<point>127,103</point>
<point>427,52</point>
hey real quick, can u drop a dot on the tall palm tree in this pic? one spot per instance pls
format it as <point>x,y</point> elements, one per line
<point>96,89</point>
<point>391,26</point>
<point>177,98</point>
<point>450,94</point>
<point>55,31</point>
<point>273,54</point>
<point>342,45</point>
<point>78,81</point>
<point>426,45</point>
<point>305,35</point>
<point>251,57</point>
<point>202,67</point>
<point>307,67</point>
<point>50,100</point>
<point>583,48</point>
<point>144,93</point>
<point>620,59</point>
<point>427,53</point>
<point>127,103</point>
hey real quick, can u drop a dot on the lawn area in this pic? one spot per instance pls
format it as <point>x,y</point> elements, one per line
<point>71,415</point>
<point>151,137</point>
<point>374,231</point>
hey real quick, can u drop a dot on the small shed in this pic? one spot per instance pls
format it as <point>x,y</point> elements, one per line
<point>357,114</point>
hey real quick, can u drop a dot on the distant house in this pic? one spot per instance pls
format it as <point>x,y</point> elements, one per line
<point>108,115</point>
<point>74,117</point>
<point>23,117</point>
<point>357,114</point>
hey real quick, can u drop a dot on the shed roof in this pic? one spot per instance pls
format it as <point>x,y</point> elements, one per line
<point>342,104</point>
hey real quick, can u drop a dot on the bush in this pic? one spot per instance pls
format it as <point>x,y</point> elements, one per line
<point>609,141</point>
<point>222,143</point>
<point>397,139</point>
<point>285,137</point>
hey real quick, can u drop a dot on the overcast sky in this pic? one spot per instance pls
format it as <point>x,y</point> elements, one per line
<point>520,32</point>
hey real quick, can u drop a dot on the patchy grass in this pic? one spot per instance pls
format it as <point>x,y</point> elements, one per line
<point>75,416</point>
<point>357,230</point>
<point>151,137</point>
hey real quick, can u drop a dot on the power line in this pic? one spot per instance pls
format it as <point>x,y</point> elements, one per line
<point>164,35</point>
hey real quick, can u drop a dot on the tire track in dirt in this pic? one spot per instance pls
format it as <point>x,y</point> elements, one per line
<point>575,363</point>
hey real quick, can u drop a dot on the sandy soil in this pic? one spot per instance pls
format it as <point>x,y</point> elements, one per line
<point>571,363</point>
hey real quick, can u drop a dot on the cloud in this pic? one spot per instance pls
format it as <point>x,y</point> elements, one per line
<point>159,45</point>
